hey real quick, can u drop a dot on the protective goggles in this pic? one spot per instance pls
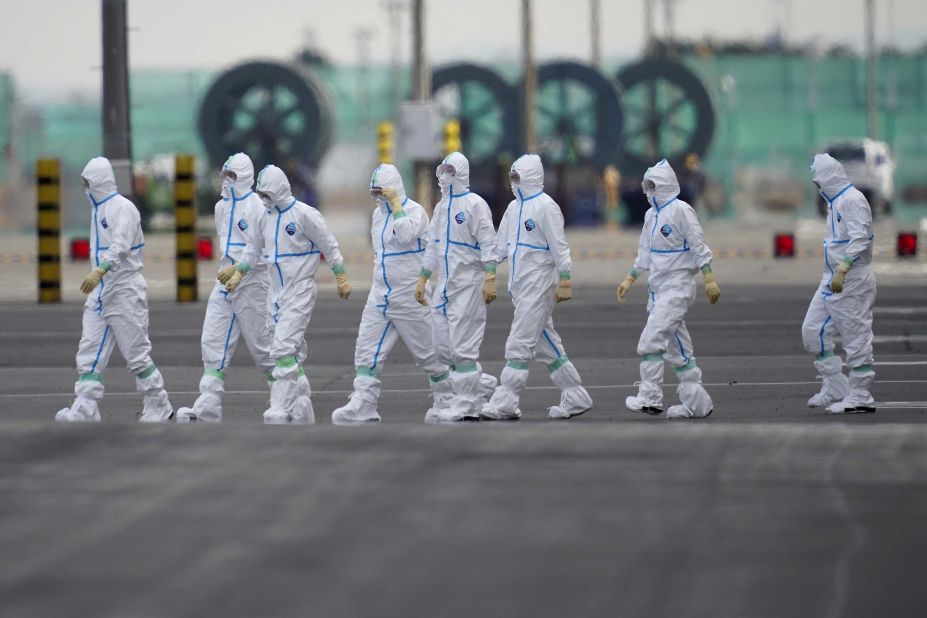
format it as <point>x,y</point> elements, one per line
<point>229,174</point>
<point>376,191</point>
<point>514,176</point>
<point>445,168</point>
<point>648,186</point>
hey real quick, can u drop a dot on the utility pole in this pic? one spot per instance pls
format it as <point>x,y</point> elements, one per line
<point>595,28</point>
<point>871,101</point>
<point>530,80</point>
<point>421,91</point>
<point>669,23</point>
<point>362,38</point>
<point>394,9</point>
<point>117,131</point>
<point>650,50</point>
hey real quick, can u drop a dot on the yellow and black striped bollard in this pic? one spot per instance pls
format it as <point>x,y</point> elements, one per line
<point>185,228</point>
<point>48,178</point>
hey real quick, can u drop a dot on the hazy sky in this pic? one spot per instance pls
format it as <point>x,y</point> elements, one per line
<point>53,46</point>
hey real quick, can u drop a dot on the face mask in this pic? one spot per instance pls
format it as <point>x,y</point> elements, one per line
<point>650,189</point>
<point>268,203</point>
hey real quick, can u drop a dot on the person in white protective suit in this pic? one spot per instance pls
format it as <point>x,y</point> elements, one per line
<point>843,302</point>
<point>116,311</point>
<point>532,238</point>
<point>462,254</point>
<point>672,247</point>
<point>295,235</point>
<point>237,306</point>
<point>399,231</point>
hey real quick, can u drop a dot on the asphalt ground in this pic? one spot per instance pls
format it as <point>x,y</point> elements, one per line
<point>765,509</point>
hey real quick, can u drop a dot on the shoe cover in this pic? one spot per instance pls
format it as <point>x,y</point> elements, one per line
<point>636,404</point>
<point>692,394</point>
<point>465,404</point>
<point>683,412</point>
<point>441,394</point>
<point>208,406</point>
<point>860,383</point>
<point>283,395</point>
<point>488,385</point>
<point>503,405</point>
<point>302,409</point>
<point>650,388</point>
<point>83,409</point>
<point>834,385</point>
<point>156,407</point>
<point>574,399</point>
<point>347,415</point>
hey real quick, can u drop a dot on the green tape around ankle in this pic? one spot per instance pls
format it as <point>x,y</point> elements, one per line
<point>824,356</point>
<point>652,357</point>
<point>147,373</point>
<point>862,369</point>
<point>517,364</point>
<point>301,372</point>
<point>90,377</point>
<point>215,373</point>
<point>270,377</point>
<point>441,377</point>
<point>367,372</point>
<point>557,364</point>
<point>465,367</point>
<point>686,367</point>
<point>286,361</point>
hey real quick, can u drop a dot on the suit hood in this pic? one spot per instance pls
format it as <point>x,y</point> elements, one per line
<point>100,177</point>
<point>273,182</point>
<point>531,174</point>
<point>829,174</point>
<point>664,178</point>
<point>386,176</point>
<point>241,164</point>
<point>461,182</point>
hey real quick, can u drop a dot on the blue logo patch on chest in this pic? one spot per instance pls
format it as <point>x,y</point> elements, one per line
<point>104,223</point>
<point>666,230</point>
<point>839,218</point>
<point>242,225</point>
<point>530,224</point>
<point>460,218</point>
<point>290,228</point>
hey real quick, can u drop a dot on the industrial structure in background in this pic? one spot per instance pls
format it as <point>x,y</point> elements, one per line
<point>738,120</point>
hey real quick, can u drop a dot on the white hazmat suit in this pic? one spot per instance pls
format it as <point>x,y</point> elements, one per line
<point>844,299</point>
<point>242,312</point>
<point>295,237</point>
<point>532,238</point>
<point>672,247</point>
<point>399,232</point>
<point>116,311</point>
<point>461,252</point>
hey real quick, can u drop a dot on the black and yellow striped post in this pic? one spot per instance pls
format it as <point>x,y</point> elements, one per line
<point>48,178</point>
<point>385,143</point>
<point>451,136</point>
<point>185,228</point>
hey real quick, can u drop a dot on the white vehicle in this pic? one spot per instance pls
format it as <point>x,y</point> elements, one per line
<point>870,167</point>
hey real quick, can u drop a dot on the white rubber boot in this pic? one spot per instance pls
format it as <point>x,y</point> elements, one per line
<point>858,400</point>
<point>362,406</point>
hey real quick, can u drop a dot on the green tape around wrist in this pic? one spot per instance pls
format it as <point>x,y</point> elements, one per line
<point>564,275</point>
<point>399,213</point>
<point>490,267</point>
<point>338,269</point>
<point>849,261</point>
<point>243,267</point>
<point>706,269</point>
<point>425,274</point>
<point>105,266</point>
<point>634,274</point>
